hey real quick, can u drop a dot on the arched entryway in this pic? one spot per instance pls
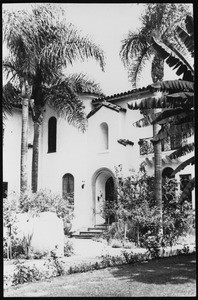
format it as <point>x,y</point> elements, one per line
<point>103,188</point>
<point>167,172</point>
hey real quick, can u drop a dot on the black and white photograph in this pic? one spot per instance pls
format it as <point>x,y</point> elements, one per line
<point>98,149</point>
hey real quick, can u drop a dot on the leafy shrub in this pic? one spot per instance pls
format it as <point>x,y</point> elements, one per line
<point>39,254</point>
<point>128,245</point>
<point>137,215</point>
<point>68,248</point>
<point>45,200</point>
<point>56,263</point>
<point>34,203</point>
<point>25,274</point>
<point>153,245</point>
<point>115,243</point>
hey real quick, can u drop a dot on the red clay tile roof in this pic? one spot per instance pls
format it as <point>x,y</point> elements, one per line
<point>124,94</point>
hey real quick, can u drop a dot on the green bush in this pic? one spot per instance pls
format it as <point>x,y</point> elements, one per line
<point>45,200</point>
<point>68,248</point>
<point>115,243</point>
<point>34,203</point>
<point>55,263</point>
<point>25,274</point>
<point>137,215</point>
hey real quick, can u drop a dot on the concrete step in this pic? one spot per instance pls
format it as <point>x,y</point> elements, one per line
<point>95,229</point>
<point>81,236</point>
<point>91,232</point>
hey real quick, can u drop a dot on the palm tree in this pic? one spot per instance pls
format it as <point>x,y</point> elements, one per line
<point>159,18</point>
<point>41,43</point>
<point>177,99</point>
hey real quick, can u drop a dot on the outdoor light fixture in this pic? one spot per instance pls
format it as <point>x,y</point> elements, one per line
<point>83,184</point>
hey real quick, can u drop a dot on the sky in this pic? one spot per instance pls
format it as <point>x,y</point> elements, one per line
<point>107,24</point>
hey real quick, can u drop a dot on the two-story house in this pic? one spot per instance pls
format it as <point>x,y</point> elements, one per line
<point>84,163</point>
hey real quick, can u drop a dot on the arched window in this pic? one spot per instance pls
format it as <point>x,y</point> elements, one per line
<point>68,185</point>
<point>104,136</point>
<point>52,135</point>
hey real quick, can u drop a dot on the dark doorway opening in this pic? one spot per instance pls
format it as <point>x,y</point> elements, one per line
<point>109,200</point>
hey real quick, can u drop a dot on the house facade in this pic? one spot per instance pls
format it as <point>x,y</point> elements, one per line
<point>84,163</point>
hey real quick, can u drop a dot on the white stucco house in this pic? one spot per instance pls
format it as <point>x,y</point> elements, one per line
<point>84,163</point>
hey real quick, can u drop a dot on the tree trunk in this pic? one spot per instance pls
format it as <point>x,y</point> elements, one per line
<point>35,157</point>
<point>26,93</point>
<point>138,235</point>
<point>157,74</point>
<point>24,146</point>
<point>158,173</point>
<point>37,118</point>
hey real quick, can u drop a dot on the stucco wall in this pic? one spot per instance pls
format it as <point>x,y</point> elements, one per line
<point>12,150</point>
<point>79,154</point>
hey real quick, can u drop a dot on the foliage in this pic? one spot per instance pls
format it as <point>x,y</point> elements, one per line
<point>56,263</point>
<point>157,19</point>
<point>137,216</point>
<point>115,243</point>
<point>177,97</point>
<point>41,42</point>
<point>45,200</point>
<point>68,248</point>
<point>25,274</point>
<point>34,203</point>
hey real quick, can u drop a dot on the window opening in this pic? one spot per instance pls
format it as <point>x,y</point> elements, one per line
<point>52,135</point>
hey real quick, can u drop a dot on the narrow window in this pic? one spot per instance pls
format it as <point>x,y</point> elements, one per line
<point>104,136</point>
<point>184,180</point>
<point>52,135</point>
<point>68,186</point>
<point>5,189</point>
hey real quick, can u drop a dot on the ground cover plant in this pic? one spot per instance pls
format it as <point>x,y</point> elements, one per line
<point>54,266</point>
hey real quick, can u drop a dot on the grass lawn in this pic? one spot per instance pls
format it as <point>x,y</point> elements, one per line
<point>170,276</point>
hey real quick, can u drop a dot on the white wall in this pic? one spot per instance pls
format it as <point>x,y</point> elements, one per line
<point>12,150</point>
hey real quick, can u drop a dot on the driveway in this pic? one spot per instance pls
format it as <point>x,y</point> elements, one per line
<point>165,277</point>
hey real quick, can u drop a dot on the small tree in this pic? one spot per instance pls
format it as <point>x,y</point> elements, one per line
<point>135,202</point>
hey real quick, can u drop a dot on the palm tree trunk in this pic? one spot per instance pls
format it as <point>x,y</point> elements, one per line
<point>24,146</point>
<point>37,118</point>
<point>158,173</point>
<point>26,93</point>
<point>35,157</point>
<point>157,74</point>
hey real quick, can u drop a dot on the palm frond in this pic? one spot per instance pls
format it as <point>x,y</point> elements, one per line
<point>147,120</point>
<point>183,99</point>
<point>187,190</point>
<point>187,162</point>
<point>167,115</point>
<point>132,46</point>
<point>10,97</point>
<point>136,67</point>
<point>63,96</point>
<point>185,130</point>
<point>186,39</point>
<point>174,59</point>
<point>69,46</point>
<point>174,86</point>
<point>189,24</point>
<point>182,151</point>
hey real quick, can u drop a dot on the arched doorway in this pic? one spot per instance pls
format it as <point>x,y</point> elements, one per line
<point>109,199</point>
<point>167,173</point>
<point>103,186</point>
